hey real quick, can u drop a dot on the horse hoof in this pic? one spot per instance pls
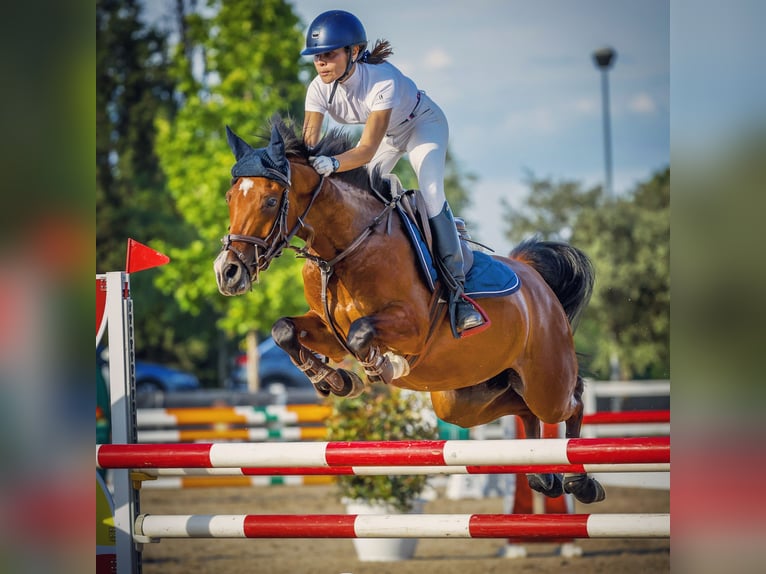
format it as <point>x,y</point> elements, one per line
<point>322,389</point>
<point>584,488</point>
<point>352,385</point>
<point>548,484</point>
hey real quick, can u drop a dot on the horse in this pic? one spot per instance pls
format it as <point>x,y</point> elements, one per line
<point>367,298</point>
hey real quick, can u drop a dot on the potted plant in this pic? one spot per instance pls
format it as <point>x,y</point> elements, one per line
<point>382,413</point>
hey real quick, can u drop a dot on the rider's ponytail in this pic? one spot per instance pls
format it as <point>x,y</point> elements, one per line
<point>380,52</point>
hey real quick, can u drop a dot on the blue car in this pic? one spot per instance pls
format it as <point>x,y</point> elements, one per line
<point>274,366</point>
<point>151,377</point>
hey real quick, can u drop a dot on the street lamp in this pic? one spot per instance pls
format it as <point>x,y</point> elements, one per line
<point>604,58</point>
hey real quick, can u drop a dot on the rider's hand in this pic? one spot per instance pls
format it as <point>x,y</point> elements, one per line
<point>324,165</point>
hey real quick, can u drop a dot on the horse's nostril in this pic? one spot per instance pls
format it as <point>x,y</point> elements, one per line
<point>231,271</point>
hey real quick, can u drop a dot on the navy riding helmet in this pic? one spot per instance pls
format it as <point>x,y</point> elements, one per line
<point>332,30</point>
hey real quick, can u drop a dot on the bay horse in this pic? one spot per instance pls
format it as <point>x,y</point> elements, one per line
<point>367,298</point>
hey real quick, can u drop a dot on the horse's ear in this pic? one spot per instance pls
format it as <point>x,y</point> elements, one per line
<point>276,151</point>
<point>239,147</point>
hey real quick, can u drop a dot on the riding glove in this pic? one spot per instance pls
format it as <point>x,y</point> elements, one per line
<point>324,165</point>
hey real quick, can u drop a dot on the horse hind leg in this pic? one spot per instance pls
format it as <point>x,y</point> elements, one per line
<point>583,487</point>
<point>548,483</point>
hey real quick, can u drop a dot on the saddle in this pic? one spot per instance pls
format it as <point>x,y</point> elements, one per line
<point>484,276</point>
<point>414,207</point>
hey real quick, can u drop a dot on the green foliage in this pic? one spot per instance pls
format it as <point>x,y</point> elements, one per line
<point>133,86</point>
<point>382,413</point>
<point>551,211</point>
<point>250,51</point>
<point>628,240</point>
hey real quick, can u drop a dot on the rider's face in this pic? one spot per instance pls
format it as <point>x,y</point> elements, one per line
<point>331,65</point>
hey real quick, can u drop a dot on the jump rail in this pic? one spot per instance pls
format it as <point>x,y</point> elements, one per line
<point>131,527</point>
<point>399,470</point>
<point>297,414</point>
<point>386,453</point>
<point>532,526</point>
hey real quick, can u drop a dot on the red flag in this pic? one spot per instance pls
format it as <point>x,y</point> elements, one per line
<point>141,257</point>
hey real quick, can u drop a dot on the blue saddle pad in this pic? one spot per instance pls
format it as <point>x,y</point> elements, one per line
<point>486,278</point>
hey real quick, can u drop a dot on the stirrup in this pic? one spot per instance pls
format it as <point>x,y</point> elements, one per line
<point>480,327</point>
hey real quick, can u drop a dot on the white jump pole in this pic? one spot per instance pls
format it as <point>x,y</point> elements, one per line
<point>119,316</point>
<point>118,311</point>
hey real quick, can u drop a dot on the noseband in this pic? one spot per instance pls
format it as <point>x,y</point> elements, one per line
<point>270,247</point>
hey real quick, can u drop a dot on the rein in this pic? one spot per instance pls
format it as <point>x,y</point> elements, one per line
<point>326,267</point>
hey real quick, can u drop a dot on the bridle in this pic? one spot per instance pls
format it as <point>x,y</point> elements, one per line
<point>269,248</point>
<point>279,238</point>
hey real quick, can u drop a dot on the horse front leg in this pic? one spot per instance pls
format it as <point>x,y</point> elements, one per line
<point>580,485</point>
<point>291,334</point>
<point>379,366</point>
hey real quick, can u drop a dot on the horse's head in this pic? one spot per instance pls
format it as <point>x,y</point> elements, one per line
<point>258,202</point>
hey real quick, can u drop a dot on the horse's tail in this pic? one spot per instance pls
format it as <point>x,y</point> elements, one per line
<point>566,269</point>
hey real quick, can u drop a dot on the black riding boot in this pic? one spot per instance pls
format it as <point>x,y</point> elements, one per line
<point>463,315</point>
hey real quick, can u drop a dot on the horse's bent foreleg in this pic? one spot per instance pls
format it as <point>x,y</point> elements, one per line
<point>287,335</point>
<point>380,367</point>
<point>583,487</point>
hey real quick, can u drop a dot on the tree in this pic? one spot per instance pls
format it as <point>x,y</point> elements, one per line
<point>551,210</point>
<point>628,241</point>
<point>248,52</point>
<point>133,87</point>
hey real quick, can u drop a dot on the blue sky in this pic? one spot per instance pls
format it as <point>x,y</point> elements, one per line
<point>520,90</point>
<point>518,84</point>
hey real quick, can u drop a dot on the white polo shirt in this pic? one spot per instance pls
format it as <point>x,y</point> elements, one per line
<point>370,88</point>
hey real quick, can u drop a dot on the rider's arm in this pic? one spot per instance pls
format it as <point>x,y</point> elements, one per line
<point>312,128</point>
<point>374,130</point>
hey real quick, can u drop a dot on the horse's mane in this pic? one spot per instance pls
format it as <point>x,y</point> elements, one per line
<point>335,141</point>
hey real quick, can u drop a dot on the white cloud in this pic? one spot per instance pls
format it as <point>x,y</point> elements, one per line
<point>642,104</point>
<point>437,59</point>
<point>587,106</point>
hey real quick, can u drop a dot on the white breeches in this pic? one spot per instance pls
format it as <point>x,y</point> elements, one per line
<point>424,138</point>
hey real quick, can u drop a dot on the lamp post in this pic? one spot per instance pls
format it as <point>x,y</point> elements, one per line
<point>604,58</point>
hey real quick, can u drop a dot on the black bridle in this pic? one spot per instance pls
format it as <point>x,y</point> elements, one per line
<point>269,248</point>
<point>279,238</point>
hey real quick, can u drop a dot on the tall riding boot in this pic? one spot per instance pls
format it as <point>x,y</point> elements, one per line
<point>463,315</point>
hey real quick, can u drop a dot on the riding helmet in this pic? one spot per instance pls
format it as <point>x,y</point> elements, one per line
<point>332,30</point>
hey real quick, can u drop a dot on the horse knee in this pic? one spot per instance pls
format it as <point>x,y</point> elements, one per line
<point>360,336</point>
<point>283,333</point>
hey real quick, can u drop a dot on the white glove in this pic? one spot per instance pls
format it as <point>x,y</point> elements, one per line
<point>324,165</point>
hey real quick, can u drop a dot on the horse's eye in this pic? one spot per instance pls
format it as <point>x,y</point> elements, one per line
<point>271,202</point>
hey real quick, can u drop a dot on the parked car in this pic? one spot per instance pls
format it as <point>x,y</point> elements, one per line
<point>274,366</point>
<point>151,377</point>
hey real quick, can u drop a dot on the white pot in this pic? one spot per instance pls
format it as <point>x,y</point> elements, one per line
<point>382,549</point>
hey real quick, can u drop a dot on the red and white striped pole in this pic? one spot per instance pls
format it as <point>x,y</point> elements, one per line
<point>630,450</point>
<point>404,526</point>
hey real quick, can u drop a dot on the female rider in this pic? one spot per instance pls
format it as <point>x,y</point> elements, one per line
<point>358,87</point>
